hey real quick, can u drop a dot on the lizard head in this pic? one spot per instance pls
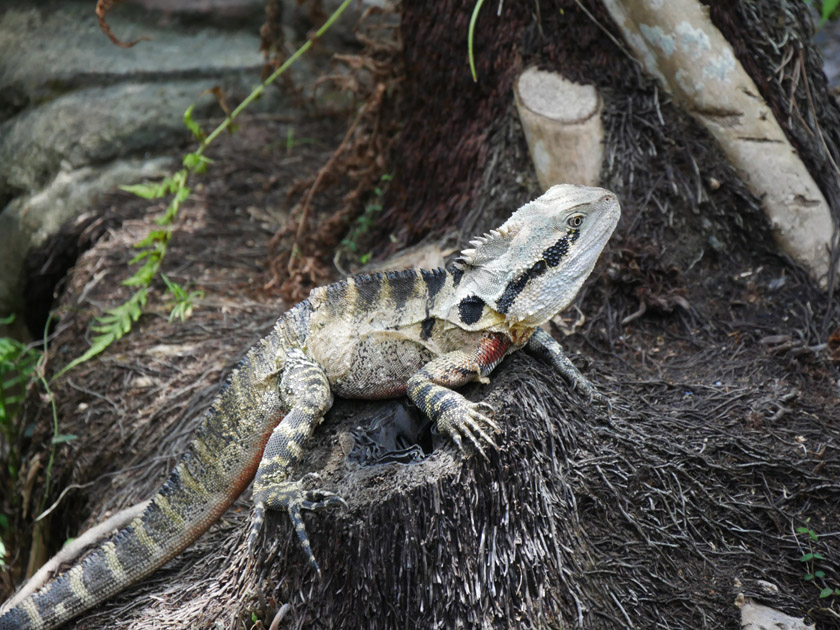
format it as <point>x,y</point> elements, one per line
<point>532,266</point>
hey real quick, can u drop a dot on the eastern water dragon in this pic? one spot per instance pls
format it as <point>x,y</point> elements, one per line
<point>417,333</point>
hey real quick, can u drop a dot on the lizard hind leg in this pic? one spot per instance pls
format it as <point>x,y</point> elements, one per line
<point>306,391</point>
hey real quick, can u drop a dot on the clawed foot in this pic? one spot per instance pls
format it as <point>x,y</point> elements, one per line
<point>290,496</point>
<point>464,419</point>
<point>592,394</point>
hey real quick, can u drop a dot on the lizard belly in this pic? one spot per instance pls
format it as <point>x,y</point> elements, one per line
<point>380,368</point>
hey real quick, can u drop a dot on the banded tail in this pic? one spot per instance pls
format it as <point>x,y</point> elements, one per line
<point>218,465</point>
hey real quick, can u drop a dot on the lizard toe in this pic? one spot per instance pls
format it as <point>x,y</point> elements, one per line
<point>311,477</point>
<point>320,499</point>
<point>476,415</point>
<point>256,526</point>
<point>474,430</point>
<point>486,407</point>
<point>300,529</point>
<point>469,424</point>
<point>292,498</point>
<point>457,440</point>
<point>476,442</point>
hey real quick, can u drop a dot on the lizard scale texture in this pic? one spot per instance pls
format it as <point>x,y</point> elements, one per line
<point>417,332</point>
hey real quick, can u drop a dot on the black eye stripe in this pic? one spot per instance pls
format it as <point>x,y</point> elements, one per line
<point>554,254</point>
<point>551,257</point>
<point>517,285</point>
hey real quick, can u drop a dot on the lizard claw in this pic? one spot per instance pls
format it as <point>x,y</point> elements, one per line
<point>486,406</point>
<point>487,417</point>
<point>593,395</point>
<point>256,526</point>
<point>466,420</point>
<point>292,498</point>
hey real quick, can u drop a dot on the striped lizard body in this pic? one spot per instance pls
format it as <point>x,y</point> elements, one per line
<point>416,332</point>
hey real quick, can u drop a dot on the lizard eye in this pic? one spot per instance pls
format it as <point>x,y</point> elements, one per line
<point>575,221</point>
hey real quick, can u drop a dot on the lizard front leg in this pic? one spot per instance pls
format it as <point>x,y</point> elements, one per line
<point>545,347</point>
<point>306,392</point>
<point>453,414</point>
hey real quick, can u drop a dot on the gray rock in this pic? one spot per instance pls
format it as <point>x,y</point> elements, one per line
<point>94,125</point>
<point>79,115</point>
<point>49,49</point>
<point>28,220</point>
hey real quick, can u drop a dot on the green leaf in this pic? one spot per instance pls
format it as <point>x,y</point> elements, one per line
<point>138,279</point>
<point>7,320</point>
<point>168,185</point>
<point>110,316</point>
<point>470,33</point>
<point>819,556</point>
<point>809,576</point>
<point>819,574</point>
<point>196,162</point>
<point>97,345</point>
<point>191,160</point>
<point>828,7</point>
<point>826,592</point>
<point>179,179</point>
<point>63,438</point>
<point>202,166</point>
<point>145,274</point>
<point>813,535</point>
<point>173,207</point>
<point>806,557</point>
<point>802,530</point>
<point>146,191</point>
<point>134,312</point>
<point>13,400</point>
<point>155,236</point>
<point>115,323</point>
<point>139,257</point>
<point>193,126</point>
<point>169,284</point>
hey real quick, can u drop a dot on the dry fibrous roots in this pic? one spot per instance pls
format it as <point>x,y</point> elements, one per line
<point>335,196</point>
<point>655,514</point>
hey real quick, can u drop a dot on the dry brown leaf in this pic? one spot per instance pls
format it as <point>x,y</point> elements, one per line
<point>102,8</point>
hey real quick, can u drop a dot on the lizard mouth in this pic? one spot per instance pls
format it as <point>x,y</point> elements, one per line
<point>603,224</point>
